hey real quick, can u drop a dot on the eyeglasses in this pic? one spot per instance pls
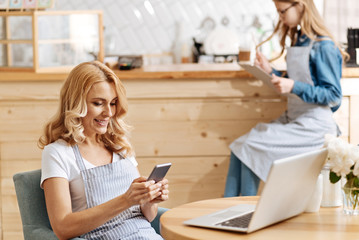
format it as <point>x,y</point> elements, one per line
<point>282,12</point>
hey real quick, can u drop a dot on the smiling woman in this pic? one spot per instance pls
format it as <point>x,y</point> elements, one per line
<point>92,186</point>
<point>101,106</point>
<point>68,124</point>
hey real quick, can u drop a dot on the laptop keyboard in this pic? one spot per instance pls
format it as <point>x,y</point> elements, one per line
<point>239,222</point>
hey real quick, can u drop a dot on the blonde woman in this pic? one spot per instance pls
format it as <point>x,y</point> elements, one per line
<point>314,68</point>
<point>92,186</point>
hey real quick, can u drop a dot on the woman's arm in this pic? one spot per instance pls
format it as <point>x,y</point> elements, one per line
<point>149,209</point>
<point>67,224</point>
<point>262,62</point>
<point>326,69</point>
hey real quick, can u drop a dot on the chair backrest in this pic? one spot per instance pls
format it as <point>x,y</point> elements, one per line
<point>31,200</point>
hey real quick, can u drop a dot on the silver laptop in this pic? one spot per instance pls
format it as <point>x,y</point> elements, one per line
<point>290,184</point>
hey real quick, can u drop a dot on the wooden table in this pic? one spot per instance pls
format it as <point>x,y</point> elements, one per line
<point>328,223</point>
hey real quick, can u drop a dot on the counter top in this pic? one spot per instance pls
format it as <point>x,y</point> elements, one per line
<point>189,70</point>
<point>172,71</point>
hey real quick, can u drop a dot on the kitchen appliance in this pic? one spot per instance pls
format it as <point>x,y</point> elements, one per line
<point>215,44</point>
<point>127,62</point>
<point>353,44</point>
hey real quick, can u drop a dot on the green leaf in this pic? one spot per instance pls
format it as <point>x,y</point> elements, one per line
<point>356,182</point>
<point>333,177</point>
<point>349,183</point>
<point>350,176</point>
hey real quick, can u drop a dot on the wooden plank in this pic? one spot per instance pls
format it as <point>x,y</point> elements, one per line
<point>181,71</point>
<point>13,235</point>
<point>9,75</point>
<point>11,167</point>
<point>36,90</point>
<point>350,72</point>
<point>11,222</point>
<point>8,46</point>
<point>19,150</point>
<point>198,88</point>
<point>101,51</point>
<point>31,111</point>
<point>154,110</point>
<point>174,72</point>
<point>187,138</point>
<point>35,43</point>
<point>142,89</point>
<point>25,121</point>
<point>10,205</point>
<point>15,41</point>
<point>202,109</point>
<point>163,138</point>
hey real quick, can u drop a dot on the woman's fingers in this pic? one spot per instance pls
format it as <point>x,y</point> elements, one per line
<point>142,179</point>
<point>142,191</point>
<point>148,193</point>
<point>282,85</point>
<point>262,62</point>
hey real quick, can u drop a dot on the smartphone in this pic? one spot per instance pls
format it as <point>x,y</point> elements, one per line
<point>159,172</point>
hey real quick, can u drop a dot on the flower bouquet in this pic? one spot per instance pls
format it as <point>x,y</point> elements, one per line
<point>343,160</point>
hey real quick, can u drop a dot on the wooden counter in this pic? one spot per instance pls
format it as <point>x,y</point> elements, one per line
<point>173,71</point>
<point>185,114</point>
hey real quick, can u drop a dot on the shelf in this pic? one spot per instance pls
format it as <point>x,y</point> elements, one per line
<point>45,41</point>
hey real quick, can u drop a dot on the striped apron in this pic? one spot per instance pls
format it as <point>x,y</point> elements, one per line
<point>106,182</point>
<point>298,130</point>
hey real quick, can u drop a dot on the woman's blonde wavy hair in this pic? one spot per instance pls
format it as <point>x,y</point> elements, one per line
<point>67,122</point>
<point>312,25</point>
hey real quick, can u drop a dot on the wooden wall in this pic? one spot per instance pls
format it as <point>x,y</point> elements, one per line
<point>189,122</point>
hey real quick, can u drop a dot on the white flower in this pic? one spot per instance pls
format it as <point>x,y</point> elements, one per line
<point>338,147</point>
<point>341,166</point>
<point>354,153</point>
<point>342,156</point>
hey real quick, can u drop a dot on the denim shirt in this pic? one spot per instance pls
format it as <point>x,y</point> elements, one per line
<point>325,65</point>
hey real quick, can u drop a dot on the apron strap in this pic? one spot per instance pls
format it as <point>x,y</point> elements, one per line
<point>78,157</point>
<point>310,45</point>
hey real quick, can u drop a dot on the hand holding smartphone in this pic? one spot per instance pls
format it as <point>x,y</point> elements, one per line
<point>159,172</point>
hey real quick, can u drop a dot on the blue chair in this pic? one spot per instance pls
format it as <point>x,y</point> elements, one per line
<point>31,200</point>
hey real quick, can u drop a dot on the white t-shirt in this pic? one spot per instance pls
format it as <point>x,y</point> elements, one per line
<point>58,160</point>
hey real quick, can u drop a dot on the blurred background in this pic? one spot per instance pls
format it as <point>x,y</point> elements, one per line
<point>158,28</point>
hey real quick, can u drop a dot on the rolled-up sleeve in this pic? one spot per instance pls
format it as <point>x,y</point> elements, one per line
<point>326,71</point>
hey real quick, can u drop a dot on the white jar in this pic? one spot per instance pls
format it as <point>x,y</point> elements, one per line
<point>316,198</point>
<point>332,196</point>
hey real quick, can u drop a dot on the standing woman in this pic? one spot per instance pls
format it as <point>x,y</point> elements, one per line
<point>314,67</point>
<point>92,186</point>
